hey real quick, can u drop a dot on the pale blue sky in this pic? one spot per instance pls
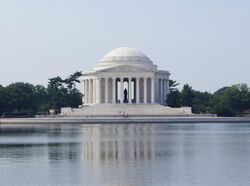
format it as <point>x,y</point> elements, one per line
<point>205,43</point>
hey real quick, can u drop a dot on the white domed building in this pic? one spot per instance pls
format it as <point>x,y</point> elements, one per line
<point>126,76</point>
<point>126,81</point>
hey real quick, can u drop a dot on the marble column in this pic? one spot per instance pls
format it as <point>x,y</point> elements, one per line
<point>106,90</point>
<point>159,91</point>
<point>89,91</point>
<point>152,90</point>
<point>159,83</point>
<point>84,89</point>
<point>113,90</point>
<point>162,93</point>
<point>84,92</point>
<point>137,90</point>
<point>130,90</point>
<point>94,90</point>
<point>121,90</point>
<point>145,90</point>
<point>163,90</point>
<point>167,86</point>
<point>156,90</point>
<point>98,94</point>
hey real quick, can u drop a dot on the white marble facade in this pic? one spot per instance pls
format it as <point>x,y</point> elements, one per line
<point>125,76</point>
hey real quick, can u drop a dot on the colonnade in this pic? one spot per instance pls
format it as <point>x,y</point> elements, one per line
<point>162,90</point>
<point>125,90</point>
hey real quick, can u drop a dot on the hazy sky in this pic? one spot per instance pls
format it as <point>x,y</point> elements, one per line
<point>205,43</point>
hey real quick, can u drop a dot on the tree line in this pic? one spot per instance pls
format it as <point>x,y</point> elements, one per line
<point>227,101</point>
<point>25,99</point>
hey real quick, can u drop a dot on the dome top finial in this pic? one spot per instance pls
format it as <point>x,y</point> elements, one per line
<point>124,51</point>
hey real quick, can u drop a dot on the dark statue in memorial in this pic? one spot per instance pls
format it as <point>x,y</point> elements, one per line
<point>125,95</point>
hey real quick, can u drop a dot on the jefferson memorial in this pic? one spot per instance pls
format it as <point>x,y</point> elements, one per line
<point>125,75</point>
<point>126,81</point>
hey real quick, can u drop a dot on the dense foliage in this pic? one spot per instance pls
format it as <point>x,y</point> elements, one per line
<point>227,101</point>
<point>27,99</point>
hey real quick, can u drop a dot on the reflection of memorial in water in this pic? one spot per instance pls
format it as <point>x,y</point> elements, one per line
<point>124,142</point>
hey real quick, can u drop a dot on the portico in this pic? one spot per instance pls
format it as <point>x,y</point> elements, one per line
<point>125,76</point>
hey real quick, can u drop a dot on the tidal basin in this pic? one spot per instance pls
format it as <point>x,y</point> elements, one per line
<point>125,154</point>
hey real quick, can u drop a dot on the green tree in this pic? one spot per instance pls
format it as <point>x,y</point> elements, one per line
<point>174,99</point>
<point>244,97</point>
<point>63,92</point>
<point>21,96</point>
<point>74,97</point>
<point>187,95</point>
<point>41,97</point>
<point>200,103</point>
<point>3,100</point>
<point>232,101</point>
<point>56,93</point>
<point>72,80</point>
<point>173,85</point>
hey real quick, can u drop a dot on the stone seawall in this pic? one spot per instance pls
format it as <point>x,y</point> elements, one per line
<point>118,120</point>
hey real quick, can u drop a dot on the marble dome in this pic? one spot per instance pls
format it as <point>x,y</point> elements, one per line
<point>125,56</point>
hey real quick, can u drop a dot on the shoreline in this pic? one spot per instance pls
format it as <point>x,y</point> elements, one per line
<point>123,120</point>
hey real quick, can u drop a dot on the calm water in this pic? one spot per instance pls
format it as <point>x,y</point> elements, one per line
<point>125,155</point>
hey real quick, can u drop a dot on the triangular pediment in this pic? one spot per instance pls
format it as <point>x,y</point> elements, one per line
<point>126,68</point>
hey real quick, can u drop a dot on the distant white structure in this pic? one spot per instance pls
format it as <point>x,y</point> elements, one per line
<point>126,82</point>
<point>126,75</point>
